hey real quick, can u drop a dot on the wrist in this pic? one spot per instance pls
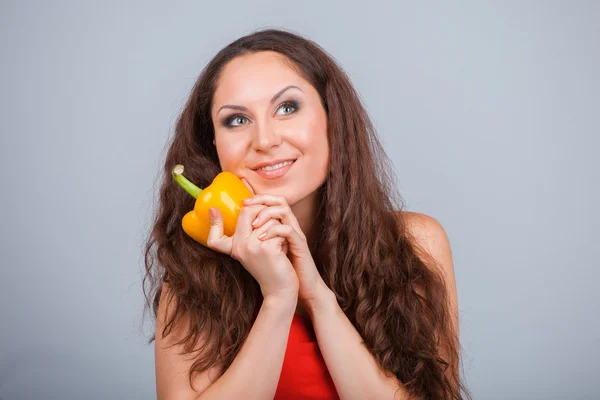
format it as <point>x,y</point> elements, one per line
<point>323,301</point>
<point>281,301</point>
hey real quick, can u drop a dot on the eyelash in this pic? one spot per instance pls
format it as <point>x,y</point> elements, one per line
<point>292,103</point>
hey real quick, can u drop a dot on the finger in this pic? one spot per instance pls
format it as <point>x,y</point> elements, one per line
<point>263,229</point>
<point>266,199</point>
<point>247,215</point>
<point>270,200</point>
<point>248,185</point>
<point>284,247</point>
<point>284,231</point>
<point>274,212</point>
<point>292,241</point>
<point>282,213</point>
<point>217,239</point>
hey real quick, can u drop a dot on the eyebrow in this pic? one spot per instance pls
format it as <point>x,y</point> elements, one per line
<point>273,100</point>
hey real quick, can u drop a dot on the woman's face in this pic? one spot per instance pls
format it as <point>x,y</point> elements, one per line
<point>265,114</point>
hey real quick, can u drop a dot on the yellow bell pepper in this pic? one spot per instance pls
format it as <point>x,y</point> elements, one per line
<point>226,193</point>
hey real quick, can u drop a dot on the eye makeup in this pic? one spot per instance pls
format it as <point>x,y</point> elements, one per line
<point>226,122</point>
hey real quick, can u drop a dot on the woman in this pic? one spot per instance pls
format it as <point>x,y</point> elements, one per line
<point>327,289</point>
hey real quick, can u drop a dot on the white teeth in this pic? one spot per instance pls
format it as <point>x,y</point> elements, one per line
<point>276,166</point>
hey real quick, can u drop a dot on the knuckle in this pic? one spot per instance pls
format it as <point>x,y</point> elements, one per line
<point>263,214</point>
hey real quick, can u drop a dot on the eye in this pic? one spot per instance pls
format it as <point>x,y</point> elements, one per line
<point>235,118</point>
<point>288,105</point>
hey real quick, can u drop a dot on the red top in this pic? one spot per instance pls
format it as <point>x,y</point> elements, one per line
<point>304,374</point>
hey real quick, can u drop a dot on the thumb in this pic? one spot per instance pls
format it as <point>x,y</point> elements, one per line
<point>248,185</point>
<point>216,237</point>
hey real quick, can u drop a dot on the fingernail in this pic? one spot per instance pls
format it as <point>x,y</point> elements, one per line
<point>247,201</point>
<point>263,235</point>
<point>255,221</point>
<point>212,212</point>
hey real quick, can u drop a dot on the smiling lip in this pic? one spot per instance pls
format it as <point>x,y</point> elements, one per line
<point>275,173</point>
<point>274,162</point>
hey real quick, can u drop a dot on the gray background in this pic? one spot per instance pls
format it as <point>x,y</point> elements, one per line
<point>489,112</point>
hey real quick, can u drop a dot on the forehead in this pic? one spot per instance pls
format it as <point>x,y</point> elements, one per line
<point>254,78</point>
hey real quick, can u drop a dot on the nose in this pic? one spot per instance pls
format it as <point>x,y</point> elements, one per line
<point>265,138</point>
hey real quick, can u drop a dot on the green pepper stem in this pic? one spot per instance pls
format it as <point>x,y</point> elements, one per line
<point>188,186</point>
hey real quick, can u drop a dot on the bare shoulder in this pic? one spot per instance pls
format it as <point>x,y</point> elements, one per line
<point>431,236</point>
<point>172,363</point>
<point>427,231</point>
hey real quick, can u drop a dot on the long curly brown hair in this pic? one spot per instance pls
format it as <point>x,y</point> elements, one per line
<point>388,287</point>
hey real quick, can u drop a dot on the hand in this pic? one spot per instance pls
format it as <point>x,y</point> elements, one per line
<point>276,208</point>
<point>264,259</point>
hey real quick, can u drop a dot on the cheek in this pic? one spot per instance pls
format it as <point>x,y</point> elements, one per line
<point>318,140</point>
<point>313,135</point>
<point>231,154</point>
<point>323,148</point>
<point>313,143</point>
